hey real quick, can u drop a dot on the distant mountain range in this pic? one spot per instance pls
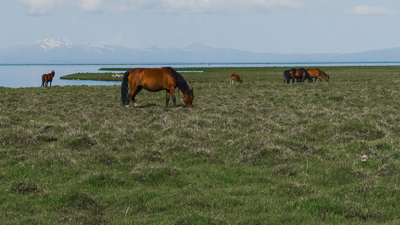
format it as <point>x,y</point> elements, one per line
<point>61,51</point>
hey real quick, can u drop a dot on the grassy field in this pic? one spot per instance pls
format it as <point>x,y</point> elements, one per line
<point>263,152</point>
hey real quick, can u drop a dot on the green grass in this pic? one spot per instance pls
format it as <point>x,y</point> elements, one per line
<point>116,69</point>
<point>263,152</point>
<point>92,76</point>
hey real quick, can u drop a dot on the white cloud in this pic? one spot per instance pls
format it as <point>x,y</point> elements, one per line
<point>116,40</point>
<point>364,10</point>
<point>38,7</point>
<point>184,6</point>
<point>90,5</point>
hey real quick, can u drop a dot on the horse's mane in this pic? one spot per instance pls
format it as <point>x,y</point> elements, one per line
<point>286,73</point>
<point>307,74</point>
<point>181,82</point>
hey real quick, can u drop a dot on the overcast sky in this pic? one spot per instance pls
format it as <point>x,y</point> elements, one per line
<point>274,26</point>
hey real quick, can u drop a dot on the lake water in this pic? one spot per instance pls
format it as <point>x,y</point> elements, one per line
<point>17,76</point>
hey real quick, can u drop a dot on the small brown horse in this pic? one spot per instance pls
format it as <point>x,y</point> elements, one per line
<point>154,79</point>
<point>46,78</point>
<point>296,74</point>
<point>235,77</point>
<point>317,73</point>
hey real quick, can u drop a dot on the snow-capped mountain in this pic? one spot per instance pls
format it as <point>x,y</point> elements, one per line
<point>49,44</point>
<point>61,51</point>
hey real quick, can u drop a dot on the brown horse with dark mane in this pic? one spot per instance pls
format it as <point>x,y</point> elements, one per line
<point>154,80</point>
<point>296,74</point>
<point>235,77</point>
<point>317,73</point>
<point>46,78</point>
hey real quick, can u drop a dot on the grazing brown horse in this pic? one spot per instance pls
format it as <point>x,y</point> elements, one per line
<point>235,77</point>
<point>296,74</point>
<point>317,73</point>
<point>46,78</point>
<point>155,79</point>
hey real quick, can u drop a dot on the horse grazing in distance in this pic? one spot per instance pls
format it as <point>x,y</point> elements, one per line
<point>154,80</point>
<point>296,74</point>
<point>46,78</point>
<point>317,73</point>
<point>235,77</point>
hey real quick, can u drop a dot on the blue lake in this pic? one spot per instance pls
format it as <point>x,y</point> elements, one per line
<point>17,76</point>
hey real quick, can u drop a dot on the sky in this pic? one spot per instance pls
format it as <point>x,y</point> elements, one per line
<point>265,26</point>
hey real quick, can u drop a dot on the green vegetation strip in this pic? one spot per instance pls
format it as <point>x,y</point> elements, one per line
<point>263,152</point>
<point>92,76</point>
<point>109,76</point>
<point>126,69</point>
<point>116,69</point>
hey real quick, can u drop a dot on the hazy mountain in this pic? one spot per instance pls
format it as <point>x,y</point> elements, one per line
<point>51,51</point>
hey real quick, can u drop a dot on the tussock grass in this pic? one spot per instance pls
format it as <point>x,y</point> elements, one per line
<point>259,153</point>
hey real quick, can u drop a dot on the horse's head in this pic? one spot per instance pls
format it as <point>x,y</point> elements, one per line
<point>188,98</point>
<point>286,76</point>
<point>327,78</point>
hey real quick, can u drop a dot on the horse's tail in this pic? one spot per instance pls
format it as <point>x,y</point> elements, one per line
<point>124,88</point>
<point>44,80</point>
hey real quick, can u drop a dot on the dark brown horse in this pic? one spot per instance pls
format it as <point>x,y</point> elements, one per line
<point>235,77</point>
<point>317,73</point>
<point>296,74</point>
<point>154,80</point>
<point>46,78</point>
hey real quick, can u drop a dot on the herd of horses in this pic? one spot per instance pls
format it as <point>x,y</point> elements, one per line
<point>301,74</point>
<point>166,78</point>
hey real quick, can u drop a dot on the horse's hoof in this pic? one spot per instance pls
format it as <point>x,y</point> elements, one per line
<point>126,105</point>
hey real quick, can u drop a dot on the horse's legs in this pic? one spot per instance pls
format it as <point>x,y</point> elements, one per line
<point>167,99</point>
<point>292,77</point>
<point>131,96</point>
<point>172,91</point>
<point>50,83</point>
